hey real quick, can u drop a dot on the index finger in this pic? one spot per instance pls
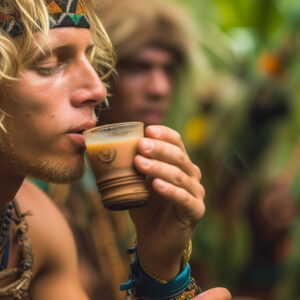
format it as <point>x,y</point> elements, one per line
<point>166,134</point>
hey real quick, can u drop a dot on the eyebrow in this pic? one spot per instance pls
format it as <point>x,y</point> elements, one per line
<point>48,51</point>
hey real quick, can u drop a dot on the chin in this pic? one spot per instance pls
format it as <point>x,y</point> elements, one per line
<point>57,169</point>
<point>59,176</point>
<point>58,172</point>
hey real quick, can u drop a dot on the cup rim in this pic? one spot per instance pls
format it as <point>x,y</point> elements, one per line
<point>111,125</point>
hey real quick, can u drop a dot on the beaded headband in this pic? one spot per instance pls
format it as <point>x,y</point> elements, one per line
<point>62,13</point>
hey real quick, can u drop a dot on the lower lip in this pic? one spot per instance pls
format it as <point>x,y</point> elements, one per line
<point>78,139</point>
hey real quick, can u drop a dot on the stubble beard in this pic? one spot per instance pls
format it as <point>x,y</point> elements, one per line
<point>51,170</point>
<point>55,172</point>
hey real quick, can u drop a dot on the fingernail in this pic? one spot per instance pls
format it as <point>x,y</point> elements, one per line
<point>162,185</point>
<point>148,145</point>
<point>145,162</point>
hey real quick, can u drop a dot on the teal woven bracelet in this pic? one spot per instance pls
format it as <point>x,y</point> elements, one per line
<point>149,288</point>
<point>189,293</point>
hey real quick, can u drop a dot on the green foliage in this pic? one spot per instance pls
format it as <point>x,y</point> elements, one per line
<point>262,15</point>
<point>253,49</point>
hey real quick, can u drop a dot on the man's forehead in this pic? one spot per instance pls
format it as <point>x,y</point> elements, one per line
<point>64,36</point>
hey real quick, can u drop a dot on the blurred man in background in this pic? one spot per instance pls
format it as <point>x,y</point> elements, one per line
<point>155,50</point>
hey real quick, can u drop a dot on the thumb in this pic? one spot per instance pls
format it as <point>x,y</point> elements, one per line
<point>214,294</point>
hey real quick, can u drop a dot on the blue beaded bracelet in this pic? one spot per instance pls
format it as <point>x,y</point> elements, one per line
<point>148,287</point>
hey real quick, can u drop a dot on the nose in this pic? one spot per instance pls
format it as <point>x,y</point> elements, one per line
<point>159,84</point>
<point>89,89</point>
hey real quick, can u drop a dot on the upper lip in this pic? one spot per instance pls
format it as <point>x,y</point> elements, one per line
<point>83,126</point>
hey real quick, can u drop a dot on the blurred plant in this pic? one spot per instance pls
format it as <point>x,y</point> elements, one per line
<point>244,128</point>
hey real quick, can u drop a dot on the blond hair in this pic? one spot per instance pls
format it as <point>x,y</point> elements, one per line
<point>33,16</point>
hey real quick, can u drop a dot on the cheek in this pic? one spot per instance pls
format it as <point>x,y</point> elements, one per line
<point>38,93</point>
<point>36,115</point>
<point>35,119</point>
<point>41,103</point>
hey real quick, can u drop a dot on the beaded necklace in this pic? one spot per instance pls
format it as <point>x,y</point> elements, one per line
<point>6,216</point>
<point>19,288</point>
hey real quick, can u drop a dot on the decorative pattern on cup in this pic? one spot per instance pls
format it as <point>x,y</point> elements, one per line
<point>107,156</point>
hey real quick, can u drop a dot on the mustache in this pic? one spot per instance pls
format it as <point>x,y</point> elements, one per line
<point>83,124</point>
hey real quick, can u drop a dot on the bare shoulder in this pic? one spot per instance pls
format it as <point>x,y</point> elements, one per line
<point>52,241</point>
<point>32,198</point>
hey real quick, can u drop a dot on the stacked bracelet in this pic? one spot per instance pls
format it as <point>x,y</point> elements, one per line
<point>190,292</point>
<point>144,287</point>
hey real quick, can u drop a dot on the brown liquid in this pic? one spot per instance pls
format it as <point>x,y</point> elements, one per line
<point>120,184</point>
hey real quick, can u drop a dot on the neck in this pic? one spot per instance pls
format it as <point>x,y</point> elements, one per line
<point>9,186</point>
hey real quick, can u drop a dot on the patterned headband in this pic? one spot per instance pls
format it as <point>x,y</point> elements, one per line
<point>62,13</point>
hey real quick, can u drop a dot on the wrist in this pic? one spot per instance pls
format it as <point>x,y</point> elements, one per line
<point>165,267</point>
<point>159,262</point>
<point>144,287</point>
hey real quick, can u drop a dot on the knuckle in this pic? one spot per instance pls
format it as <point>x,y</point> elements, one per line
<point>178,177</point>
<point>201,191</point>
<point>186,198</point>
<point>181,157</point>
<point>197,171</point>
